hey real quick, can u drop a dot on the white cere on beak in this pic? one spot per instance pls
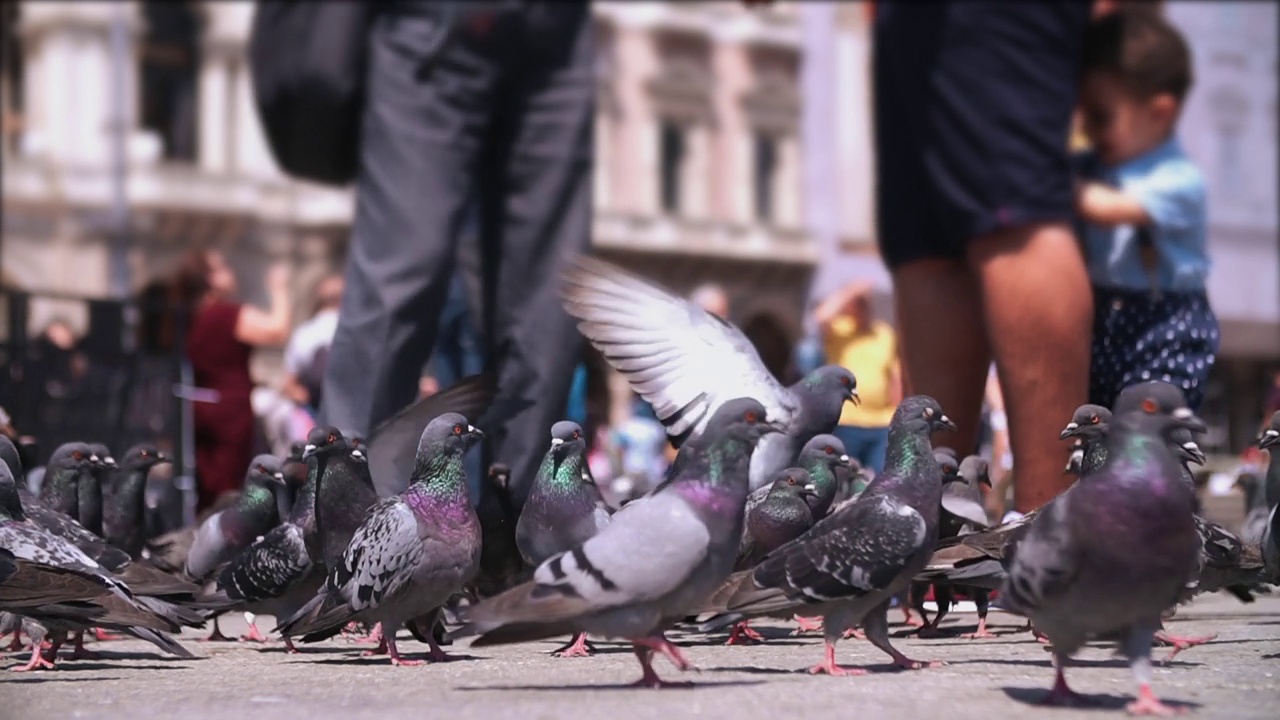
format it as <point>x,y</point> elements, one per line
<point>1073,426</point>
<point>1183,413</point>
<point>844,458</point>
<point>1190,445</point>
<point>811,488</point>
<point>357,454</point>
<point>556,442</point>
<point>309,448</point>
<point>93,458</point>
<point>1271,433</point>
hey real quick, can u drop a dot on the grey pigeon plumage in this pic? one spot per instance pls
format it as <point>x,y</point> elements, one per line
<point>564,509</point>
<point>70,467</point>
<point>224,534</point>
<point>50,582</point>
<point>855,560</point>
<point>1270,438</point>
<point>686,363</point>
<point>1107,557</point>
<point>343,492</point>
<point>782,516</point>
<point>654,564</point>
<point>412,552</point>
<point>124,515</point>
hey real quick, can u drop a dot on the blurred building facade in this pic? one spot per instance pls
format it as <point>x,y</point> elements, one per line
<point>699,166</point>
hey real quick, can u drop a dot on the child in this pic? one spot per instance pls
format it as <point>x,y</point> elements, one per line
<point>1143,204</point>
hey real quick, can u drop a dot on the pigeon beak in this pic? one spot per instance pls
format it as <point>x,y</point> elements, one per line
<point>279,477</point>
<point>853,396</point>
<point>475,431</point>
<point>945,422</point>
<point>1069,431</point>
<point>162,458</point>
<point>1188,420</point>
<point>109,461</point>
<point>774,427</point>
<point>556,442</point>
<point>94,459</point>
<point>1194,452</point>
<point>308,451</point>
<point>1269,438</point>
<point>844,459</point>
<point>809,489</point>
<point>357,454</point>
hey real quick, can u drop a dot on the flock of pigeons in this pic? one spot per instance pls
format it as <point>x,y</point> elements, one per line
<point>762,514</point>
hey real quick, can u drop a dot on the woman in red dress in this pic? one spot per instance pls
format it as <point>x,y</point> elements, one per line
<point>220,338</point>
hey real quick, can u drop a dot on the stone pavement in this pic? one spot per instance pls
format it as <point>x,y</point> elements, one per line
<point>1235,677</point>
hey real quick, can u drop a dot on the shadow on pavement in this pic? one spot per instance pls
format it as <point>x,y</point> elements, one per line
<point>1034,696</point>
<point>626,686</point>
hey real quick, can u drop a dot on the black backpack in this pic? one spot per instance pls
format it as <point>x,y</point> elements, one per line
<point>307,61</point>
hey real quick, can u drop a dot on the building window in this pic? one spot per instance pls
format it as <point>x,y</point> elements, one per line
<point>170,64</point>
<point>672,153</point>
<point>765,175</point>
<point>11,85</point>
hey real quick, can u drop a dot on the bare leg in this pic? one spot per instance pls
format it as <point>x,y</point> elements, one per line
<point>828,665</point>
<point>390,637</point>
<point>668,649</point>
<point>854,633</point>
<point>578,647</point>
<point>941,595</point>
<point>943,339</point>
<point>290,648</point>
<point>103,636</point>
<point>16,644</point>
<point>427,626</point>
<point>876,623</point>
<point>1034,285</point>
<point>742,634</point>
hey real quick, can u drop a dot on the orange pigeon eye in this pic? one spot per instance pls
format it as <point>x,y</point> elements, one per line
<point>791,481</point>
<point>830,450</point>
<point>750,416</point>
<point>576,434</point>
<point>1149,406</point>
<point>332,439</point>
<point>1094,419</point>
<point>457,429</point>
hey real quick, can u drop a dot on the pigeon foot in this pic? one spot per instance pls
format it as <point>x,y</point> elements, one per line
<point>1148,704</point>
<point>254,635</point>
<point>1180,643</point>
<point>1063,696</point>
<point>854,634</point>
<point>806,625</point>
<point>579,647</point>
<point>38,661</point>
<point>742,634</point>
<point>981,633</point>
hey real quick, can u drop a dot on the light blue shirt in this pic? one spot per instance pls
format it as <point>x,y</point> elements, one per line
<point>1172,192</point>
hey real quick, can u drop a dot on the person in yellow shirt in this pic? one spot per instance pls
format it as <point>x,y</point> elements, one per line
<point>854,339</point>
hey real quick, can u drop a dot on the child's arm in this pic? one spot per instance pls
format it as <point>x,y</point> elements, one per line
<point>1101,204</point>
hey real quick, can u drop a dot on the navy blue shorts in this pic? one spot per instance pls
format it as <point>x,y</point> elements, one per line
<point>1137,337</point>
<point>973,106</point>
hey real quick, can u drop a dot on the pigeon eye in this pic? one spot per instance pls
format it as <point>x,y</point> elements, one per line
<point>750,416</point>
<point>830,450</point>
<point>1149,406</point>
<point>77,455</point>
<point>928,412</point>
<point>791,481</point>
<point>576,434</point>
<point>844,381</point>
<point>1093,419</point>
<point>457,429</point>
<point>332,439</point>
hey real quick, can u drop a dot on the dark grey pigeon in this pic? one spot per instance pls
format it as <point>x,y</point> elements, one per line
<point>72,465</point>
<point>849,566</point>
<point>344,492</point>
<point>1107,557</point>
<point>412,552</point>
<point>963,513</point>
<point>1270,438</point>
<point>93,488</point>
<point>392,446</point>
<point>824,458</point>
<point>46,567</point>
<point>1089,425</point>
<point>781,517</point>
<point>124,518</point>
<point>686,363</point>
<point>226,533</point>
<point>564,509</point>
<point>654,564</point>
<point>1256,512</point>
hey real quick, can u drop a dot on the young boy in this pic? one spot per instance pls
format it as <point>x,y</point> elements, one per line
<point>1142,201</point>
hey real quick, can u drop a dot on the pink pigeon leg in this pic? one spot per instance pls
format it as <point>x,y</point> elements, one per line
<point>394,652</point>
<point>742,634</point>
<point>578,647</point>
<point>38,660</point>
<point>828,665</point>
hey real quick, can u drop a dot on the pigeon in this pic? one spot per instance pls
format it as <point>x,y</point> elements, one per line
<point>344,492</point>
<point>1257,514</point>
<point>782,515</point>
<point>963,513</point>
<point>1108,556</point>
<point>413,551</point>
<point>93,488</point>
<point>71,466</point>
<point>124,515</point>
<point>391,447</point>
<point>852,562</point>
<point>11,458</point>
<point>499,568</point>
<point>824,458</point>
<point>1088,424</point>
<point>40,565</point>
<point>230,531</point>
<point>655,563</point>
<point>686,363</point>
<point>564,509</point>
<point>1270,541</point>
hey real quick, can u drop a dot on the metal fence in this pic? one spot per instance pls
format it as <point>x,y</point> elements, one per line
<point>121,382</point>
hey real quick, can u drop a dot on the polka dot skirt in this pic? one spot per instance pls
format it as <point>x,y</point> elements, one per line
<point>1137,337</point>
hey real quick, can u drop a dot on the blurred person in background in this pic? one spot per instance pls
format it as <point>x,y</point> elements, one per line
<point>1000,459</point>
<point>1143,206</point>
<point>307,354</point>
<point>973,109</point>
<point>469,103</point>
<point>221,335</point>
<point>858,342</point>
<point>712,298</point>
<point>639,445</point>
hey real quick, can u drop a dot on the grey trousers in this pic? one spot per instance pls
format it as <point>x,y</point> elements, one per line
<point>501,115</point>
